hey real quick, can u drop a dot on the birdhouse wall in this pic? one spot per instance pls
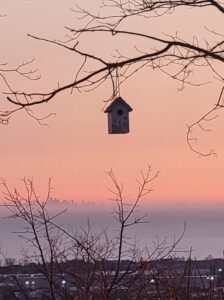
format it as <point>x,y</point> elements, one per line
<point>118,120</point>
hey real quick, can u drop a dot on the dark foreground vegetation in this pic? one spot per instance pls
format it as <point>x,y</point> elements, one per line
<point>161,279</point>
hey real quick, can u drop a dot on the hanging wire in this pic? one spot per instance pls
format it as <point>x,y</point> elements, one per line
<point>117,83</point>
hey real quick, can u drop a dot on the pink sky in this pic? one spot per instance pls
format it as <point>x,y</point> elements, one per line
<point>75,148</point>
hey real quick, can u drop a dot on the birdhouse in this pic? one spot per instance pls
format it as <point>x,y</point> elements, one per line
<point>118,116</point>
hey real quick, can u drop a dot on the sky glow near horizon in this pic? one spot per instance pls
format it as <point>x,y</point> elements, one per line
<point>75,149</point>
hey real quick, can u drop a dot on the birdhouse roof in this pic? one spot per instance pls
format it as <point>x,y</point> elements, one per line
<point>117,101</point>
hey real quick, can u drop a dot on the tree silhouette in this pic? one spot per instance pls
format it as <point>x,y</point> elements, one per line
<point>100,264</point>
<point>171,54</point>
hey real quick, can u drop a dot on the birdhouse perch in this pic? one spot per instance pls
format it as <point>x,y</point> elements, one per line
<point>118,116</point>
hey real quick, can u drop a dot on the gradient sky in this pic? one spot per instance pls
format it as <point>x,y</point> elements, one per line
<point>75,149</point>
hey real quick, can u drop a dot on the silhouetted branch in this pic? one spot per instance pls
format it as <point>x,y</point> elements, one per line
<point>207,117</point>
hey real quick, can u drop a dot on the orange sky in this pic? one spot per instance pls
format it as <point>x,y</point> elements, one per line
<point>75,148</point>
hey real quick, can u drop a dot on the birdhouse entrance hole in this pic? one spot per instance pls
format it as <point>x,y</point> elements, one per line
<point>120,112</point>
